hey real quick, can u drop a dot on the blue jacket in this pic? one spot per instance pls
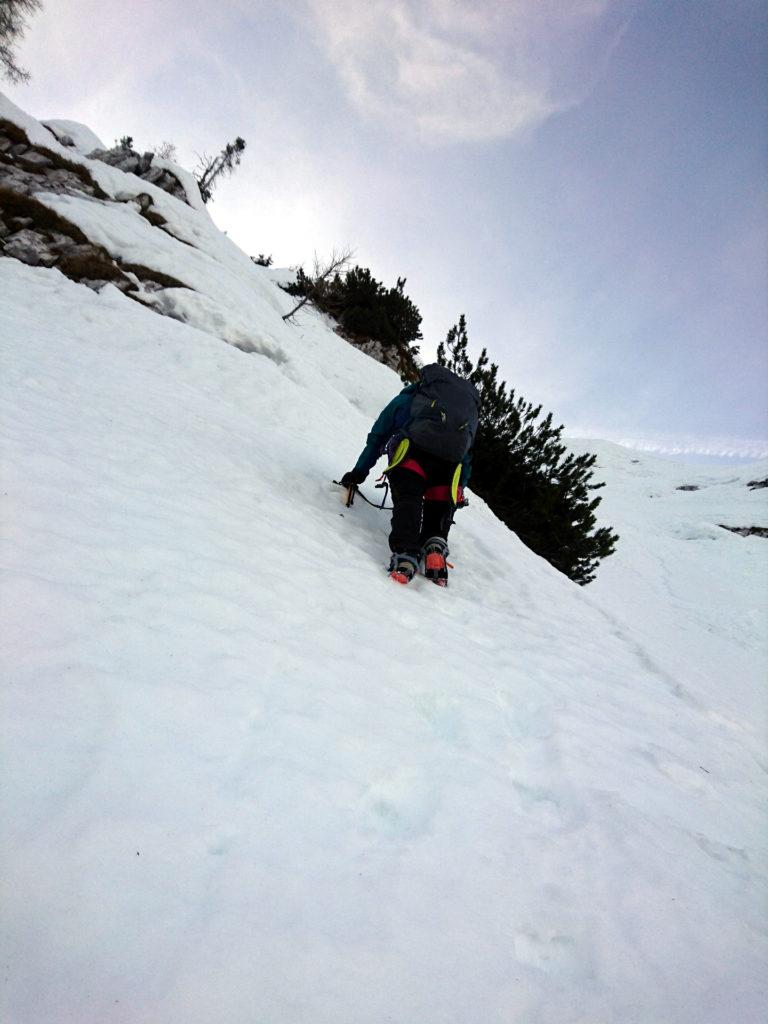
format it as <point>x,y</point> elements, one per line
<point>390,420</point>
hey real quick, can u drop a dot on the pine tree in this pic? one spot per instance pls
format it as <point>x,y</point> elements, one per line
<point>525,473</point>
<point>366,310</point>
<point>403,317</point>
<point>210,169</point>
<point>13,23</point>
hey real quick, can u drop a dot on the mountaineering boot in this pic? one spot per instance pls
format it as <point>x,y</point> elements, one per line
<point>435,565</point>
<point>403,567</point>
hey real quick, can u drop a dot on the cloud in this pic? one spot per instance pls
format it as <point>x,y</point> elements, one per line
<point>463,70</point>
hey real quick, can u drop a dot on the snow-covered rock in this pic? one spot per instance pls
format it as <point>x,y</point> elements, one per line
<point>248,779</point>
<point>80,136</point>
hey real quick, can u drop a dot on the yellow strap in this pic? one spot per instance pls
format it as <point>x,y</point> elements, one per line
<point>400,452</point>
<point>455,485</point>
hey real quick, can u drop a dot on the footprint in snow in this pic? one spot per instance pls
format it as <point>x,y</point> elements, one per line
<point>555,954</point>
<point>736,858</point>
<point>442,716</point>
<point>691,778</point>
<point>561,810</point>
<point>401,806</point>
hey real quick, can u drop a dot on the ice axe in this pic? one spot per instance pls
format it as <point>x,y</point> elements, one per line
<point>353,489</point>
<point>349,498</point>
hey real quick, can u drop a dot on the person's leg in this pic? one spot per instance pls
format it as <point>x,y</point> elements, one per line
<point>438,513</point>
<point>438,504</point>
<point>434,533</point>
<point>437,519</point>
<point>407,486</point>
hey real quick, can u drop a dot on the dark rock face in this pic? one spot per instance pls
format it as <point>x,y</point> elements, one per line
<point>688,487</point>
<point>747,531</point>
<point>756,485</point>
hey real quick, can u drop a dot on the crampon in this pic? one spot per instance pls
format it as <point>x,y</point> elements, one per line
<point>435,564</point>
<point>403,568</point>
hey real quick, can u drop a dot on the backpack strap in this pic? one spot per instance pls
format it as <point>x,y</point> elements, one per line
<point>400,452</point>
<point>455,484</point>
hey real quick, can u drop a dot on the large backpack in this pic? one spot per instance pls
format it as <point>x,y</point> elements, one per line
<point>444,414</point>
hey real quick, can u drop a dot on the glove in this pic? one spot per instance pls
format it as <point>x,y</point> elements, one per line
<point>354,476</point>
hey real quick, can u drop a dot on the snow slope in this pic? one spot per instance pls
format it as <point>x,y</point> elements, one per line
<point>249,780</point>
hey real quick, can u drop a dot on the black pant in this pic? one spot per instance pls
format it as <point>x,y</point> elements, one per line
<point>418,514</point>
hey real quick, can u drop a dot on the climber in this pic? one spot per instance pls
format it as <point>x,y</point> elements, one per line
<point>427,432</point>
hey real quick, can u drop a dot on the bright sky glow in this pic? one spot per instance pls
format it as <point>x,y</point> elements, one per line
<point>584,180</point>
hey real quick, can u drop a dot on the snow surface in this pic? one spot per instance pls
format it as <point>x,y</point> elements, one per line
<point>250,780</point>
<point>85,141</point>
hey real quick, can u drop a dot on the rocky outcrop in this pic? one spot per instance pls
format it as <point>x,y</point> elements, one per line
<point>62,211</point>
<point>388,356</point>
<point>34,234</point>
<point>142,165</point>
<point>25,167</point>
<point>397,358</point>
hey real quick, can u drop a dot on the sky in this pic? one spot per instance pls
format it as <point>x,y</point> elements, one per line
<point>585,180</point>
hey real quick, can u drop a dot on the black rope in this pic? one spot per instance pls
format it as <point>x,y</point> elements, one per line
<point>354,489</point>
<point>383,504</point>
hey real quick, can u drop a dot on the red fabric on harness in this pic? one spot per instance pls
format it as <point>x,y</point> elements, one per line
<point>438,492</point>
<point>413,465</point>
<point>442,492</point>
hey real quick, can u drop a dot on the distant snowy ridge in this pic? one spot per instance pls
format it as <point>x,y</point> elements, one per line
<point>251,780</point>
<point>723,447</point>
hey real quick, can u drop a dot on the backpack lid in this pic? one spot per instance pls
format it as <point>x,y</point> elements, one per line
<point>434,373</point>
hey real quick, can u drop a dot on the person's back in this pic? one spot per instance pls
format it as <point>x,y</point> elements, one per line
<point>427,431</point>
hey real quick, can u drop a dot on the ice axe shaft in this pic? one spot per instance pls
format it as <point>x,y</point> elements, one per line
<point>349,499</point>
